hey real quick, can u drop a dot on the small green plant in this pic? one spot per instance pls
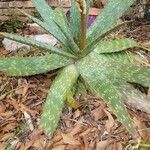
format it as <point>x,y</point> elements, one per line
<point>104,66</point>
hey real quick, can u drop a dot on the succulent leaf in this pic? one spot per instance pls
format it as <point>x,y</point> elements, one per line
<point>56,97</point>
<point>125,66</point>
<point>91,46</point>
<point>131,73</point>
<point>53,29</point>
<point>35,43</point>
<point>110,46</point>
<point>75,20</point>
<point>51,19</point>
<point>88,4</point>
<point>113,10</point>
<point>27,66</point>
<point>95,74</point>
<point>48,14</point>
<point>80,89</point>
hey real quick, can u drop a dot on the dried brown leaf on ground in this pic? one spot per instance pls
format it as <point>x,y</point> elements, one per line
<point>28,144</point>
<point>110,122</point>
<point>2,108</point>
<point>118,146</point>
<point>144,132</point>
<point>87,132</point>
<point>98,113</point>
<point>69,139</point>
<point>1,146</point>
<point>3,96</point>
<point>77,113</point>
<point>77,130</point>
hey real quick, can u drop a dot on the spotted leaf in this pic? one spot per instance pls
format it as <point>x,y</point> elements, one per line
<point>54,30</point>
<point>51,19</point>
<point>126,66</point>
<point>131,73</point>
<point>75,20</point>
<point>93,71</point>
<point>110,46</point>
<point>56,97</point>
<point>35,43</point>
<point>26,66</point>
<point>105,20</point>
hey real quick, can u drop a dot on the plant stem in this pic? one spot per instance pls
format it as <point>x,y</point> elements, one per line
<point>83,32</point>
<point>83,25</point>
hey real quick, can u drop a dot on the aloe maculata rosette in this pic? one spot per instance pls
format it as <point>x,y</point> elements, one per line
<point>85,57</point>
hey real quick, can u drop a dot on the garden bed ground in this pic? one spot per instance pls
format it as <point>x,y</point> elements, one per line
<point>91,127</point>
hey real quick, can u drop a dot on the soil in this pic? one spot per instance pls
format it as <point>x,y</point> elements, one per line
<point>91,127</point>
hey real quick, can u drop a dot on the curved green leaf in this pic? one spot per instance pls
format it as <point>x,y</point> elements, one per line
<point>125,66</point>
<point>26,66</point>
<point>48,14</point>
<point>53,29</point>
<point>113,10</point>
<point>50,18</point>
<point>95,74</point>
<point>75,20</point>
<point>121,57</point>
<point>116,45</point>
<point>91,46</point>
<point>35,43</point>
<point>56,97</point>
<point>131,73</point>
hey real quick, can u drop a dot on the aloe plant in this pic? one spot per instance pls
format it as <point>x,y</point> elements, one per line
<point>102,65</point>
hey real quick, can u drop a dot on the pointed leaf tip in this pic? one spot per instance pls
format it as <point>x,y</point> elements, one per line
<point>56,97</point>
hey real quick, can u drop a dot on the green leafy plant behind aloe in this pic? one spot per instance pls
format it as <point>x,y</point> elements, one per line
<point>103,65</point>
